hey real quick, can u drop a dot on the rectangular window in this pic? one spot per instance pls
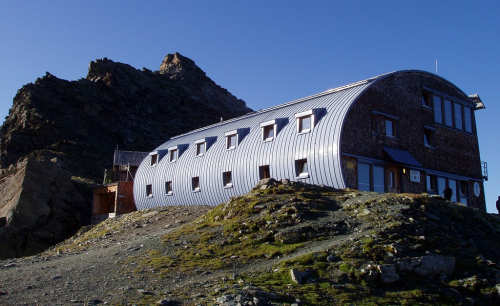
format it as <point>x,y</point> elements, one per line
<point>201,148</point>
<point>268,132</point>
<point>227,179</point>
<point>426,98</point>
<point>149,191</point>
<point>264,172</point>
<point>168,187</point>
<point>464,192</point>
<point>174,154</point>
<point>453,186</point>
<point>429,137</point>
<point>195,183</point>
<point>304,124</point>
<point>438,114</point>
<point>448,113</point>
<point>154,159</point>
<point>458,116</point>
<point>390,127</point>
<point>231,141</point>
<point>431,183</point>
<point>468,119</point>
<point>378,179</point>
<point>302,170</point>
<point>364,177</point>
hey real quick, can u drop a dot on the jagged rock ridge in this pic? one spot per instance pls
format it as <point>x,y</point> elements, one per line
<point>81,122</point>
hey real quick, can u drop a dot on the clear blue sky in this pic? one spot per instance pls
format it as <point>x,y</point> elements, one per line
<point>265,52</point>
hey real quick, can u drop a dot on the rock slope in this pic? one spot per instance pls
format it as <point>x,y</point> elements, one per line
<point>284,243</point>
<point>80,123</point>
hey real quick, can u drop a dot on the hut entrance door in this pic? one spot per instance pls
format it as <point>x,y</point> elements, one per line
<point>394,178</point>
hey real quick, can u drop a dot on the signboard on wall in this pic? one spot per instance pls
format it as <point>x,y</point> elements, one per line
<point>477,189</point>
<point>414,176</point>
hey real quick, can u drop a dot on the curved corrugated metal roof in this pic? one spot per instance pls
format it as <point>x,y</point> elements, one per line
<point>321,148</point>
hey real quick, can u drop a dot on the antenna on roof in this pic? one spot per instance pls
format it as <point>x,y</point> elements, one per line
<point>436,66</point>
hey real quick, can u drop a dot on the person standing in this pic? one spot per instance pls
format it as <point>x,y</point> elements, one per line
<point>448,193</point>
<point>498,205</point>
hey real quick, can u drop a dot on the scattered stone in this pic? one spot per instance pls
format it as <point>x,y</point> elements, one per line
<point>330,258</point>
<point>145,292</point>
<point>297,276</point>
<point>3,293</point>
<point>166,302</point>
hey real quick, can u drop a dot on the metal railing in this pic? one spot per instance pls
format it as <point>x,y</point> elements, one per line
<point>484,170</point>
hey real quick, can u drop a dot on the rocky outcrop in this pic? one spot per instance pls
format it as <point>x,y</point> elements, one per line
<point>41,204</point>
<point>82,122</point>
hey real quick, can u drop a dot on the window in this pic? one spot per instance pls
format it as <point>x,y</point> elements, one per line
<point>305,121</point>
<point>227,179</point>
<point>302,170</point>
<point>264,172</point>
<point>149,191</point>
<point>453,114</point>
<point>304,124</point>
<point>438,106</point>
<point>464,192</point>
<point>378,179</point>
<point>468,119</point>
<point>426,98</point>
<point>174,154</point>
<point>201,148</point>
<point>429,137</point>
<point>195,183</point>
<point>431,183</point>
<point>367,182</point>
<point>458,116</point>
<point>363,177</point>
<point>268,132</point>
<point>154,159</point>
<point>231,141</point>
<point>390,127</point>
<point>448,113</point>
<point>168,188</point>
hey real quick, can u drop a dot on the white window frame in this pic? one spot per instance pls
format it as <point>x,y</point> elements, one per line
<point>231,134</point>
<point>299,168</point>
<point>266,125</point>
<point>171,151</point>
<point>300,117</point>
<point>227,183</point>
<point>198,144</point>
<point>154,156</point>
<point>167,191</point>
<point>149,190</point>
<point>193,187</point>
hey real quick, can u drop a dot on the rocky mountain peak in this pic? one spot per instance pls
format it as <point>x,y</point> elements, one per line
<point>178,66</point>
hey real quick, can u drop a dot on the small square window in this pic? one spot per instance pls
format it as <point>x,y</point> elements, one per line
<point>390,127</point>
<point>149,191</point>
<point>302,169</point>
<point>154,159</point>
<point>227,179</point>
<point>305,124</point>
<point>168,188</point>
<point>264,172</point>
<point>426,99</point>
<point>201,148</point>
<point>268,132</point>
<point>195,183</point>
<point>429,137</point>
<point>174,154</point>
<point>231,141</point>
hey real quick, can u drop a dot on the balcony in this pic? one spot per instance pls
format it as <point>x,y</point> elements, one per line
<point>484,170</point>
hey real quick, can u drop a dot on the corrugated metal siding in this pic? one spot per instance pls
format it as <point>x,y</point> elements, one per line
<point>321,147</point>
